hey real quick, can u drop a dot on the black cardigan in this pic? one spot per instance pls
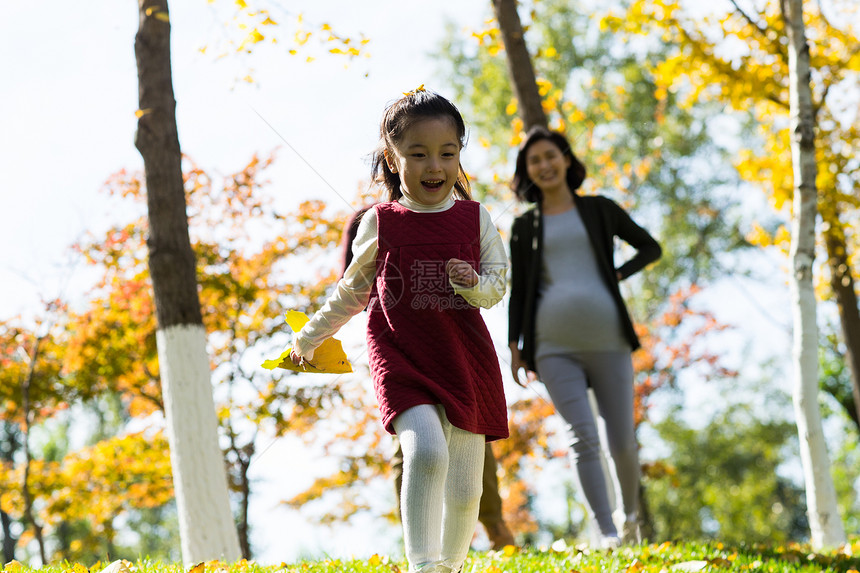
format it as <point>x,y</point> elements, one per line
<point>604,220</point>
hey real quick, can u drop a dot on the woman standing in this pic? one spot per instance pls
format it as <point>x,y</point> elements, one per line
<point>567,321</point>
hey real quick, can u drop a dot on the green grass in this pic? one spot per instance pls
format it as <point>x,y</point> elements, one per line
<point>656,558</point>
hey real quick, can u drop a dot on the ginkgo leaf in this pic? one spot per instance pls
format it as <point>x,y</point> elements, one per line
<point>118,566</point>
<point>690,566</point>
<point>296,320</point>
<point>329,357</point>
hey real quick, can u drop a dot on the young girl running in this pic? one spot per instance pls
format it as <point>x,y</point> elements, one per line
<point>423,263</point>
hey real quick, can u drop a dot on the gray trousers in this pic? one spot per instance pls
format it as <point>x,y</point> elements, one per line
<point>610,374</point>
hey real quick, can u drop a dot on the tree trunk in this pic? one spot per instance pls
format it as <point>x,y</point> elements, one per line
<point>842,285</point>
<point>29,517</point>
<point>825,523</point>
<point>519,64</point>
<point>9,540</point>
<point>241,483</point>
<point>206,526</point>
<point>245,456</point>
<point>10,444</point>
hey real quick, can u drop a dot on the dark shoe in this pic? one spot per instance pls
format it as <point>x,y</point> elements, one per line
<point>630,533</point>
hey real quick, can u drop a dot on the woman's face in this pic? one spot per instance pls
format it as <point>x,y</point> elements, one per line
<point>547,166</point>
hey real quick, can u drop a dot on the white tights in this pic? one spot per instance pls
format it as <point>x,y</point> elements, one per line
<point>442,471</point>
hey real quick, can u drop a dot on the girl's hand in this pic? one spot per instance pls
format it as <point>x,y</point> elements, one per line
<point>300,360</point>
<point>461,273</point>
<point>517,363</point>
<point>296,359</point>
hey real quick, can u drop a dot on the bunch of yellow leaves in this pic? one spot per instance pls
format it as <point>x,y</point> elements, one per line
<point>329,357</point>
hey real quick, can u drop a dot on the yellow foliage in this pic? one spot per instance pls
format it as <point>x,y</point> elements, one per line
<point>759,237</point>
<point>301,37</point>
<point>544,86</point>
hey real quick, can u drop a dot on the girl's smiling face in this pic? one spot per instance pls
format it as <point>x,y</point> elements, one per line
<point>427,160</point>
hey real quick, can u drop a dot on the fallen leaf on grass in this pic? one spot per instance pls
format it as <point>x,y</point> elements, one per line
<point>329,357</point>
<point>690,566</point>
<point>118,566</point>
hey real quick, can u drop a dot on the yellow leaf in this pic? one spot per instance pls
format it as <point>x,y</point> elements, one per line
<point>199,568</point>
<point>268,22</point>
<point>255,36</point>
<point>163,16</point>
<point>296,320</point>
<point>13,567</point>
<point>329,357</point>
<point>374,560</point>
<point>241,4</point>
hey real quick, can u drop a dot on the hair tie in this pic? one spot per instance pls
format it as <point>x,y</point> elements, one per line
<point>415,91</point>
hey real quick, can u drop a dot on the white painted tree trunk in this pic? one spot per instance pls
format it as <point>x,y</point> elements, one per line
<point>206,526</point>
<point>199,476</point>
<point>824,520</point>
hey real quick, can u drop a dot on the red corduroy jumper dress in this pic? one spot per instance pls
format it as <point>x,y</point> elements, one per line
<point>426,344</point>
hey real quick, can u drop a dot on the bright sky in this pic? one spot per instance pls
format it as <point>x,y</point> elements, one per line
<point>68,99</point>
<point>70,92</point>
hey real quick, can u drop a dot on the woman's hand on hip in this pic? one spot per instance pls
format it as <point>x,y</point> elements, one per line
<point>517,364</point>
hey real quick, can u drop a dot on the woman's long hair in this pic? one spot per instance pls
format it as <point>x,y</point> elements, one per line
<point>414,106</point>
<point>522,185</point>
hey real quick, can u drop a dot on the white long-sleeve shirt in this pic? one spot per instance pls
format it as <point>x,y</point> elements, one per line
<point>353,291</point>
